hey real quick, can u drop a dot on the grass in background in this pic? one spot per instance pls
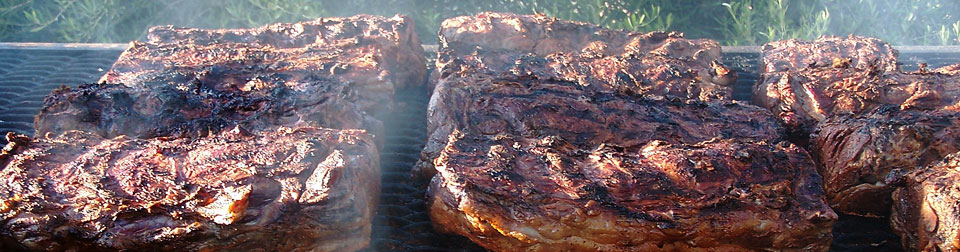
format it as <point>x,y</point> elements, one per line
<point>732,22</point>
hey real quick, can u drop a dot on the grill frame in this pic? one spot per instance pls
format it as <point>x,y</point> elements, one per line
<point>32,70</point>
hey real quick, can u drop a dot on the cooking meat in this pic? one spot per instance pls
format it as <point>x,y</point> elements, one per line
<point>550,193</point>
<point>805,97</point>
<point>196,107</point>
<point>330,72</point>
<point>853,51</point>
<point>520,107</point>
<point>861,155</point>
<point>662,63</point>
<point>548,135</point>
<point>925,209</point>
<point>533,165</point>
<point>288,189</point>
<point>374,55</point>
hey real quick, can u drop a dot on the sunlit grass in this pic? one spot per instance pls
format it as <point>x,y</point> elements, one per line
<point>732,22</point>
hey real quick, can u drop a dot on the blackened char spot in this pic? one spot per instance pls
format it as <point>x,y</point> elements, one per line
<point>506,175</point>
<point>600,194</point>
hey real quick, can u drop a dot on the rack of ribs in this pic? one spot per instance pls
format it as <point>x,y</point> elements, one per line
<point>538,141</point>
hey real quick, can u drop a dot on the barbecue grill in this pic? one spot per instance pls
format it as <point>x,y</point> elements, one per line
<point>32,70</point>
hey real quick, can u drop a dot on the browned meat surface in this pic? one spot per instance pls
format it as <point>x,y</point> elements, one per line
<point>951,69</point>
<point>504,106</point>
<point>549,135</point>
<point>330,72</point>
<point>374,55</point>
<point>289,189</point>
<point>542,35</point>
<point>147,160</point>
<point>861,155</point>
<point>549,193</point>
<point>534,165</point>
<point>657,63</point>
<point>852,51</point>
<point>926,209</point>
<point>805,97</point>
<point>198,108</point>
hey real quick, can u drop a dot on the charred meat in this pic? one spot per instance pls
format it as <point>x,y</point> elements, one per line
<point>289,189</point>
<point>373,55</point>
<point>498,105</point>
<point>192,108</point>
<point>242,68</point>
<point>656,63</point>
<point>363,41</point>
<point>329,72</point>
<point>850,52</point>
<point>146,159</point>
<point>548,193</point>
<point>539,166</point>
<point>543,151</point>
<point>862,155</point>
<point>925,212</point>
<point>806,97</point>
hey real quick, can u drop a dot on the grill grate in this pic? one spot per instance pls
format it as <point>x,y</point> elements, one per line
<point>402,223</point>
<point>29,75</point>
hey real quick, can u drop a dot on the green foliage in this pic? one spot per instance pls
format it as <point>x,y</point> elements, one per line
<point>732,22</point>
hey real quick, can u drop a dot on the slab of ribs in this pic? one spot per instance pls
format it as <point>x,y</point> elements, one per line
<point>215,140</point>
<point>549,135</point>
<point>885,140</point>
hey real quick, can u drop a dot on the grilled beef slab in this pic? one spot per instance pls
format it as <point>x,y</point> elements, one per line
<point>925,210</point>
<point>534,165</point>
<point>548,135</point>
<point>289,189</point>
<point>329,72</point>
<point>805,97</point>
<point>658,63</point>
<point>549,193</point>
<point>196,107</point>
<point>244,67</point>
<point>375,55</point>
<point>862,155</point>
<point>852,51</point>
<point>521,107</point>
<point>362,40</point>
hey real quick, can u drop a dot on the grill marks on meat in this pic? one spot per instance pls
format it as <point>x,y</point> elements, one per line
<point>534,148</point>
<point>338,73</point>
<point>530,165</point>
<point>283,190</point>
<point>147,160</point>
<point>852,51</point>
<point>542,35</point>
<point>925,212</point>
<point>807,82</point>
<point>804,98</point>
<point>871,122</point>
<point>862,155</point>
<point>548,193</point>
<point>389,43</point>
<point>237,67</point>
<point>503,106</point>
<point>656,63</point>
<point>192,109</point>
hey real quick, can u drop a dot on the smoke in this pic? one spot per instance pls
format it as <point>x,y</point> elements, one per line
<point>732,22</point>
<point>913,22</point>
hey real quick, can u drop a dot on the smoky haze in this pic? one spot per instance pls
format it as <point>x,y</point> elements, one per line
<point>732,22</point>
